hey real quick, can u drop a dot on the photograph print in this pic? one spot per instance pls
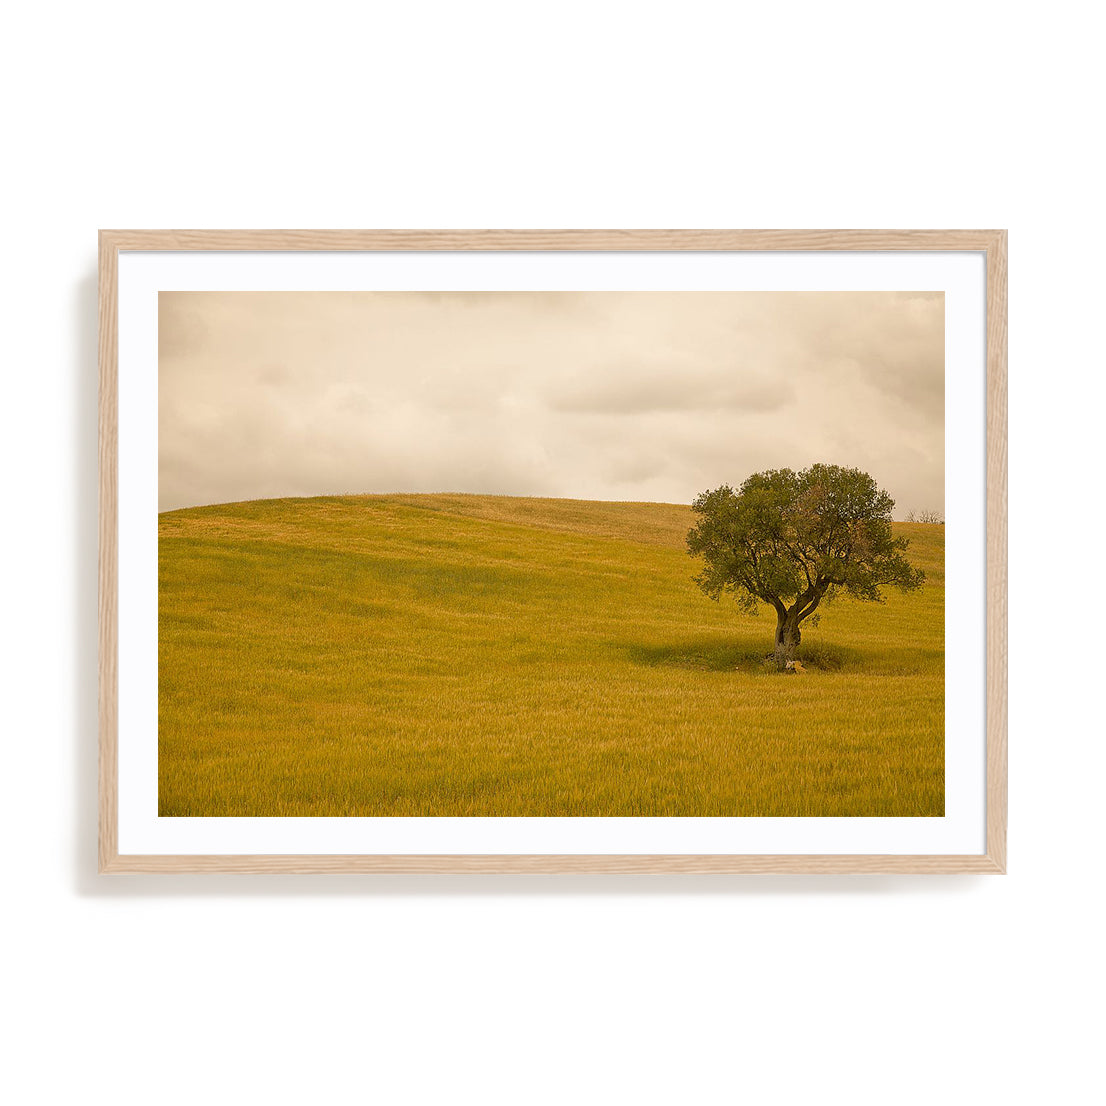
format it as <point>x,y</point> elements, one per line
<point>551,554</point>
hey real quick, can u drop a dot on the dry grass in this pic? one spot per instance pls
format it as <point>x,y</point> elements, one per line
<point>476,655</point>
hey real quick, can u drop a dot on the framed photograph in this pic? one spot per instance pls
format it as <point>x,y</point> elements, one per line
<point>553,551</point>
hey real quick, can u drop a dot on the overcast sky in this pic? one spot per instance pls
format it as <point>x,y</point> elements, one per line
<point>592,395</point>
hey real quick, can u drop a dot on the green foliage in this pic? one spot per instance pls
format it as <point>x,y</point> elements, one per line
<point>795,539</point>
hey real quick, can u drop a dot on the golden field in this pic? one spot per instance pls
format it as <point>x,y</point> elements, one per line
<point>477,655</point>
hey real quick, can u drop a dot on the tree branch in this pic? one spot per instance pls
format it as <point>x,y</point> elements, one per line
<point>809,609</point>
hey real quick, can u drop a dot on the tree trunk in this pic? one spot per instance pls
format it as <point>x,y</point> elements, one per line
<point>787,639</point>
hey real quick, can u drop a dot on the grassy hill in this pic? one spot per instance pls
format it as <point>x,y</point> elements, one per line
<point>479,655</point>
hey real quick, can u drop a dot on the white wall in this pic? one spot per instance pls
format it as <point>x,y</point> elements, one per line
<point>791,990</point>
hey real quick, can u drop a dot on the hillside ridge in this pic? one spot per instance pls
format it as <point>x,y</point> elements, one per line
<point>641,521</point>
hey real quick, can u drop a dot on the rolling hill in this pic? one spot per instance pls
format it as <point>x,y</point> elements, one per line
<point>427,655</point>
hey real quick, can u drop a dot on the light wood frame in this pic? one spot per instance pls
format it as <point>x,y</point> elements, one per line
<point>992,243</point>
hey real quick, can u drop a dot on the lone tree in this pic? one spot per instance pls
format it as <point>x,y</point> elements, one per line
<point>793,539</point>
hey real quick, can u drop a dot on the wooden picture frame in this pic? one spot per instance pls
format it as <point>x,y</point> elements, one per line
<point>991,244</point>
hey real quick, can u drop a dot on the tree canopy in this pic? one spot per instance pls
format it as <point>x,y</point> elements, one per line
<point>795,539</point>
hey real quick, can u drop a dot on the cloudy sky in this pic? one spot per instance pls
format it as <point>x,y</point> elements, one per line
<point>592,395</point>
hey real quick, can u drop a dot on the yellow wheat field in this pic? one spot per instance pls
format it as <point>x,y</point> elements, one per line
<point>423,655</point>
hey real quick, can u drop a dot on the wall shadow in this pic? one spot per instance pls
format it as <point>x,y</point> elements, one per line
<point>140,886</point>
<point>84,381</point>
